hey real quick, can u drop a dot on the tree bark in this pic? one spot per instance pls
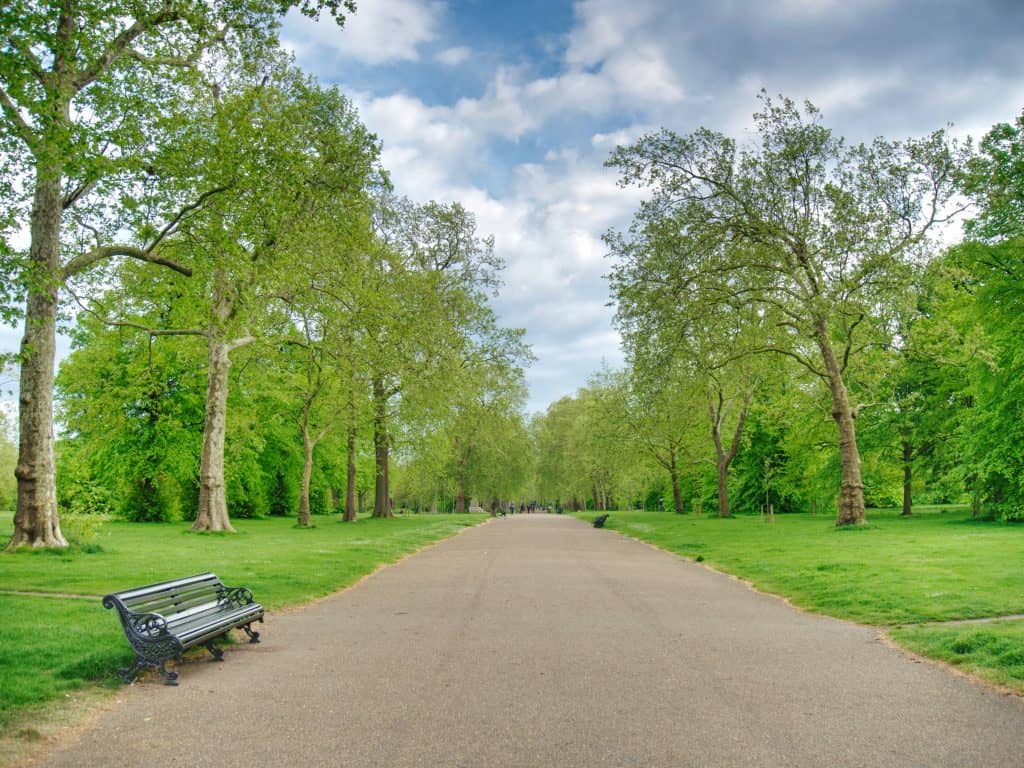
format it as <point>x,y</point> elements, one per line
<point>851,488</point>
<point>673,473</point>
<point>460,497</point>
<point>350,478</point>
<point>381,498</point>
<point>307,474</point>
<point>36,522</point>
<point>723,458</point>
<point>213,506</point>
<point>908,474</point>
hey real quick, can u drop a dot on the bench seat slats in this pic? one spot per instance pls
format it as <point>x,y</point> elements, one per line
<point>176,605</point>
<point>165,599</point>
<point>167,586</point>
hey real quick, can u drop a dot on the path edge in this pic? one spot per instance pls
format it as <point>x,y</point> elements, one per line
<point>881,631</point>
<point>35,752</point>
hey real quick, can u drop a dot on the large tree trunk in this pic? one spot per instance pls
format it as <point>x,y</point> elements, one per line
<point>851,487</point>
<point>36,522</point>
<point>723,458</point>
<point>381,497</point>
<point>722,478</point>
<point>213,505</point>
<point>908,475</point>
<point>673,472</point>
<point>350,478</point>
<point>307,474</point>
<point>460,496</point>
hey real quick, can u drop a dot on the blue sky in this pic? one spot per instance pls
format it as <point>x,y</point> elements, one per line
<point>512,108</point>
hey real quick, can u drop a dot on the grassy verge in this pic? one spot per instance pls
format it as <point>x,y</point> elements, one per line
<point>994,651</point>
<point>52,645</point>
<point>939,565</point>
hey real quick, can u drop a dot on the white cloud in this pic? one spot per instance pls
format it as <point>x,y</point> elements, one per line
<point>631,67</point>
<point>379,33</point>
<point>606,26</point>
<point>606,142</point>
<point>643,74</point>
<point>452,57</point>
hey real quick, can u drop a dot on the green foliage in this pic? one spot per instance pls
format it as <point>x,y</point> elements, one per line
<point>721,246</point>
<point>8,461</point>
<point>132,408</point>
<point>83,530</point>
<point>991,271</point>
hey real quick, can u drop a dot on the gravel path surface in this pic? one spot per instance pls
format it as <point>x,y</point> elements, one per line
<point>539,641</point>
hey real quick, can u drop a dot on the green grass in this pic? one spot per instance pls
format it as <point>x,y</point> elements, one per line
<point>939,565</point>
<point>50,645</point>
<point>994,651</point>
<point>936,566</point>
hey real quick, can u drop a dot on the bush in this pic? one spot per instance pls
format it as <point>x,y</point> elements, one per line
<point>82,530</point>
<point>83,497</point>
<point>149,501</point>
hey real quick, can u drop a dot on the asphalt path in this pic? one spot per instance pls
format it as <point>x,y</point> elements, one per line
<point>539,641</point>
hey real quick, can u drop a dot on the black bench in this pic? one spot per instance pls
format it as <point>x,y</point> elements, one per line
<point>599,521</point>
<point>161,621</point>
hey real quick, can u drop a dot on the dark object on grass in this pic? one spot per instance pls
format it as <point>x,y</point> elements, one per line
<point>163,620</point>
<point>599,521</point>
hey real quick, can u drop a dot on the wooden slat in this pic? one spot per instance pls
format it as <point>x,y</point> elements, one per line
<point>164,586</point>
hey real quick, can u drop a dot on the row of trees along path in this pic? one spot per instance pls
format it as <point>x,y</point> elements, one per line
<point>177,134</point>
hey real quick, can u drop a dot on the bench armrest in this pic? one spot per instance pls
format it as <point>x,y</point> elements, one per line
<point>237,596</point>
<point>145,626</point>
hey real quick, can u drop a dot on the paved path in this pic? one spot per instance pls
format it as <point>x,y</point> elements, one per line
<point>538,641</point>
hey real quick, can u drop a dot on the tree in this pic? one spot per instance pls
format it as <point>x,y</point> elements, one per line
<point>297,156</point>
<point>431,263</point>
<point>486,425</point>
<point>131,405</point>
<point>584,447</point>
<point>320,297</point>
<point>811,232</point>
<point>87,91</point>
<point>656,413</point>
<point>992,270</point>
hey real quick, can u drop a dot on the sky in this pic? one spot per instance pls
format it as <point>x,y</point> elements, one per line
<point>512,107</point>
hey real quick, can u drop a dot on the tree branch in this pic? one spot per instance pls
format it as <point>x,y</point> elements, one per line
<point>100,253</point>
<point>35,66</point>
<point>242,341</point>
<point>120,44</point>
<point>78,193</point>
<point>137,326</point>
<point>24,130</point>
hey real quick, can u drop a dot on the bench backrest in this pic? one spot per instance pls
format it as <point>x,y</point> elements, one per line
<point>173,597</point>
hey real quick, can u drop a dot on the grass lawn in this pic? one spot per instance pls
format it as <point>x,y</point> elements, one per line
<point>938,565</point>
<point>49,645</point>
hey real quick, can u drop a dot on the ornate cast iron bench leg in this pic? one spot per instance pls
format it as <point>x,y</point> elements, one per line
<point>254,636</point>
<point>218,654</point>
<point>170,678</point>
<point>128,674</point>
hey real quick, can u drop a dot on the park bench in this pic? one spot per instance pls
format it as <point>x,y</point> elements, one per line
<point>599,521</point>
<point>162,621</point>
